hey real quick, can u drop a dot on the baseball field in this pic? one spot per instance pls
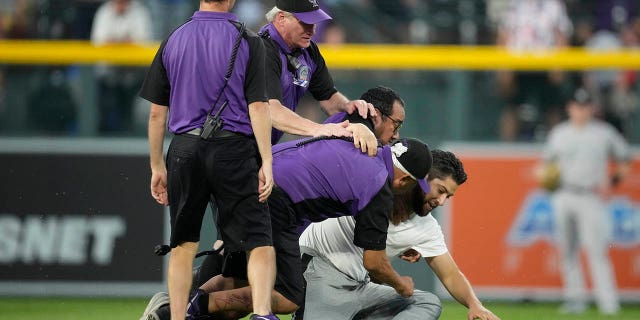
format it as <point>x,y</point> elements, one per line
<point>131,309</point>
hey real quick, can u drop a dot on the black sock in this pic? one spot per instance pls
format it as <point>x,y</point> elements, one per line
<point>203,303</point>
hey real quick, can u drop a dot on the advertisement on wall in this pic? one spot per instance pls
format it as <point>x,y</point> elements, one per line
<point>500,227</point>
<point>78,223</point>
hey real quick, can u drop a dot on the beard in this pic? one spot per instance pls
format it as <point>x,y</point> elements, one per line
<point>406,203</point>
<point>417,202</point>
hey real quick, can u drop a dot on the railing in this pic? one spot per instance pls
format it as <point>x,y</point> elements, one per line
<point>449,90</point>
<point>348,56</point>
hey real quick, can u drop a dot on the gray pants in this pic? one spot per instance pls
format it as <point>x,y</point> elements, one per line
<point>581,222</point>
<point>332,295</point>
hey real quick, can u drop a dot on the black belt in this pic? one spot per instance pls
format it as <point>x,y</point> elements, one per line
<point>217,134</point>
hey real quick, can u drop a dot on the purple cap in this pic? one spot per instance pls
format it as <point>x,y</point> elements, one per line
<point>307,11</point>
<point>424,185</point>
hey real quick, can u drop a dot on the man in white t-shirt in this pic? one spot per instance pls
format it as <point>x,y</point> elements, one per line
<point>340,287</point>
<point>119,22</point>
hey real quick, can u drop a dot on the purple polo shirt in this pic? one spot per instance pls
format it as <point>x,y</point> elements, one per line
<point>331,176</point>
<point>188,72</point>
<point>280,79</point>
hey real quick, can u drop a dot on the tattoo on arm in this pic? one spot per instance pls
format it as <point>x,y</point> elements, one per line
<point>233,302</point>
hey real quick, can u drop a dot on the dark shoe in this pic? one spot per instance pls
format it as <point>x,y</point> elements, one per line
<point>193,308</point>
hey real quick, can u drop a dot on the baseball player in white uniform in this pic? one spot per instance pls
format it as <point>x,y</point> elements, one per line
<point>338,284</point>
<point>581,148</point>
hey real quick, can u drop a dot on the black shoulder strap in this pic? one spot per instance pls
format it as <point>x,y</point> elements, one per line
<point>264,34</point>
<point>234,53</point>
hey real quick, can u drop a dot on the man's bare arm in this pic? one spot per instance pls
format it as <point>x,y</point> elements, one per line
<point>458,286</point>
<point>379,267</point>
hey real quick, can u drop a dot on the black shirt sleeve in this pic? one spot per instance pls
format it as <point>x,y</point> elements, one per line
<point>156,87</point>
<point>321,86</point>
<point>273,69</point>
<point>254,84</point>
<point>372,222</point>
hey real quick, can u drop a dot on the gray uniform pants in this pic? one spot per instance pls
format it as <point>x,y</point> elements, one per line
<point>332,295</point>
<point>582,222</point>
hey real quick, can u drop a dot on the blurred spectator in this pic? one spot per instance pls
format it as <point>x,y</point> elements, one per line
<point>614,14</point>
<point>3,94</point>
<point>622,101</point>
<point>371,21</point>
<point>55,19</point>
<point>84,12</point>
<point>169,14</point>
<point>496,10</point>
<point>614,91</point>
<point>252,12</point>
<point>334,33</point>
<point>395,18</point>
<point>51,108</point>
<point>16,20</point>
<point>533,98</point>
<point>119,22</point>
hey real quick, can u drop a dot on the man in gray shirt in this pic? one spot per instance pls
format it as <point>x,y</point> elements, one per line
<point>581,148</point>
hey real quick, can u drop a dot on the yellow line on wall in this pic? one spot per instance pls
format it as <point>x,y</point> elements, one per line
<point>352,56</point>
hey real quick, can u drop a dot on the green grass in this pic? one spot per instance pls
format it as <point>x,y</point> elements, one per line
<point>131,309</point>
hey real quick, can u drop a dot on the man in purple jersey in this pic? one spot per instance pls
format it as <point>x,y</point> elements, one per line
<point>186,81</point>
<point>295,66</point>
<point>319,179</point>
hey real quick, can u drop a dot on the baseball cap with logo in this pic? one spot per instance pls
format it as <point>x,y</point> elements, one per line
<point>582,97</point>
<point>307,11</point>
<point>413,157</point>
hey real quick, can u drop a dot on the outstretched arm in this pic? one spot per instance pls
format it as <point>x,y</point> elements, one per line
<point>458,286</point>
<point>285,120</point>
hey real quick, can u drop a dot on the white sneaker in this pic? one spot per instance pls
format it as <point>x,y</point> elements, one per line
<point>157,301</point>
<point>573,308</point>
<point>609,311</point>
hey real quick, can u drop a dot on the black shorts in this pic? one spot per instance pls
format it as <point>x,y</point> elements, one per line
<point>227,169</point>
<point>289,278</point>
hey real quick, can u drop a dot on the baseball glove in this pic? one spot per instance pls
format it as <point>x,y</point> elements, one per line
<point>550,177</point>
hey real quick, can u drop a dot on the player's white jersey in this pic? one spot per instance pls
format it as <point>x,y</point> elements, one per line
<point>332,239</point>
<point>583,153</point>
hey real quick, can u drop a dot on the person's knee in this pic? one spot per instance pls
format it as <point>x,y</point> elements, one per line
<point>283,305</point>
<point>428,300</point>
<point>286,309</point>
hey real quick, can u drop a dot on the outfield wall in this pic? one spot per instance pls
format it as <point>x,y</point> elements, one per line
<point>76,218</point>
<point>499,226</point>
